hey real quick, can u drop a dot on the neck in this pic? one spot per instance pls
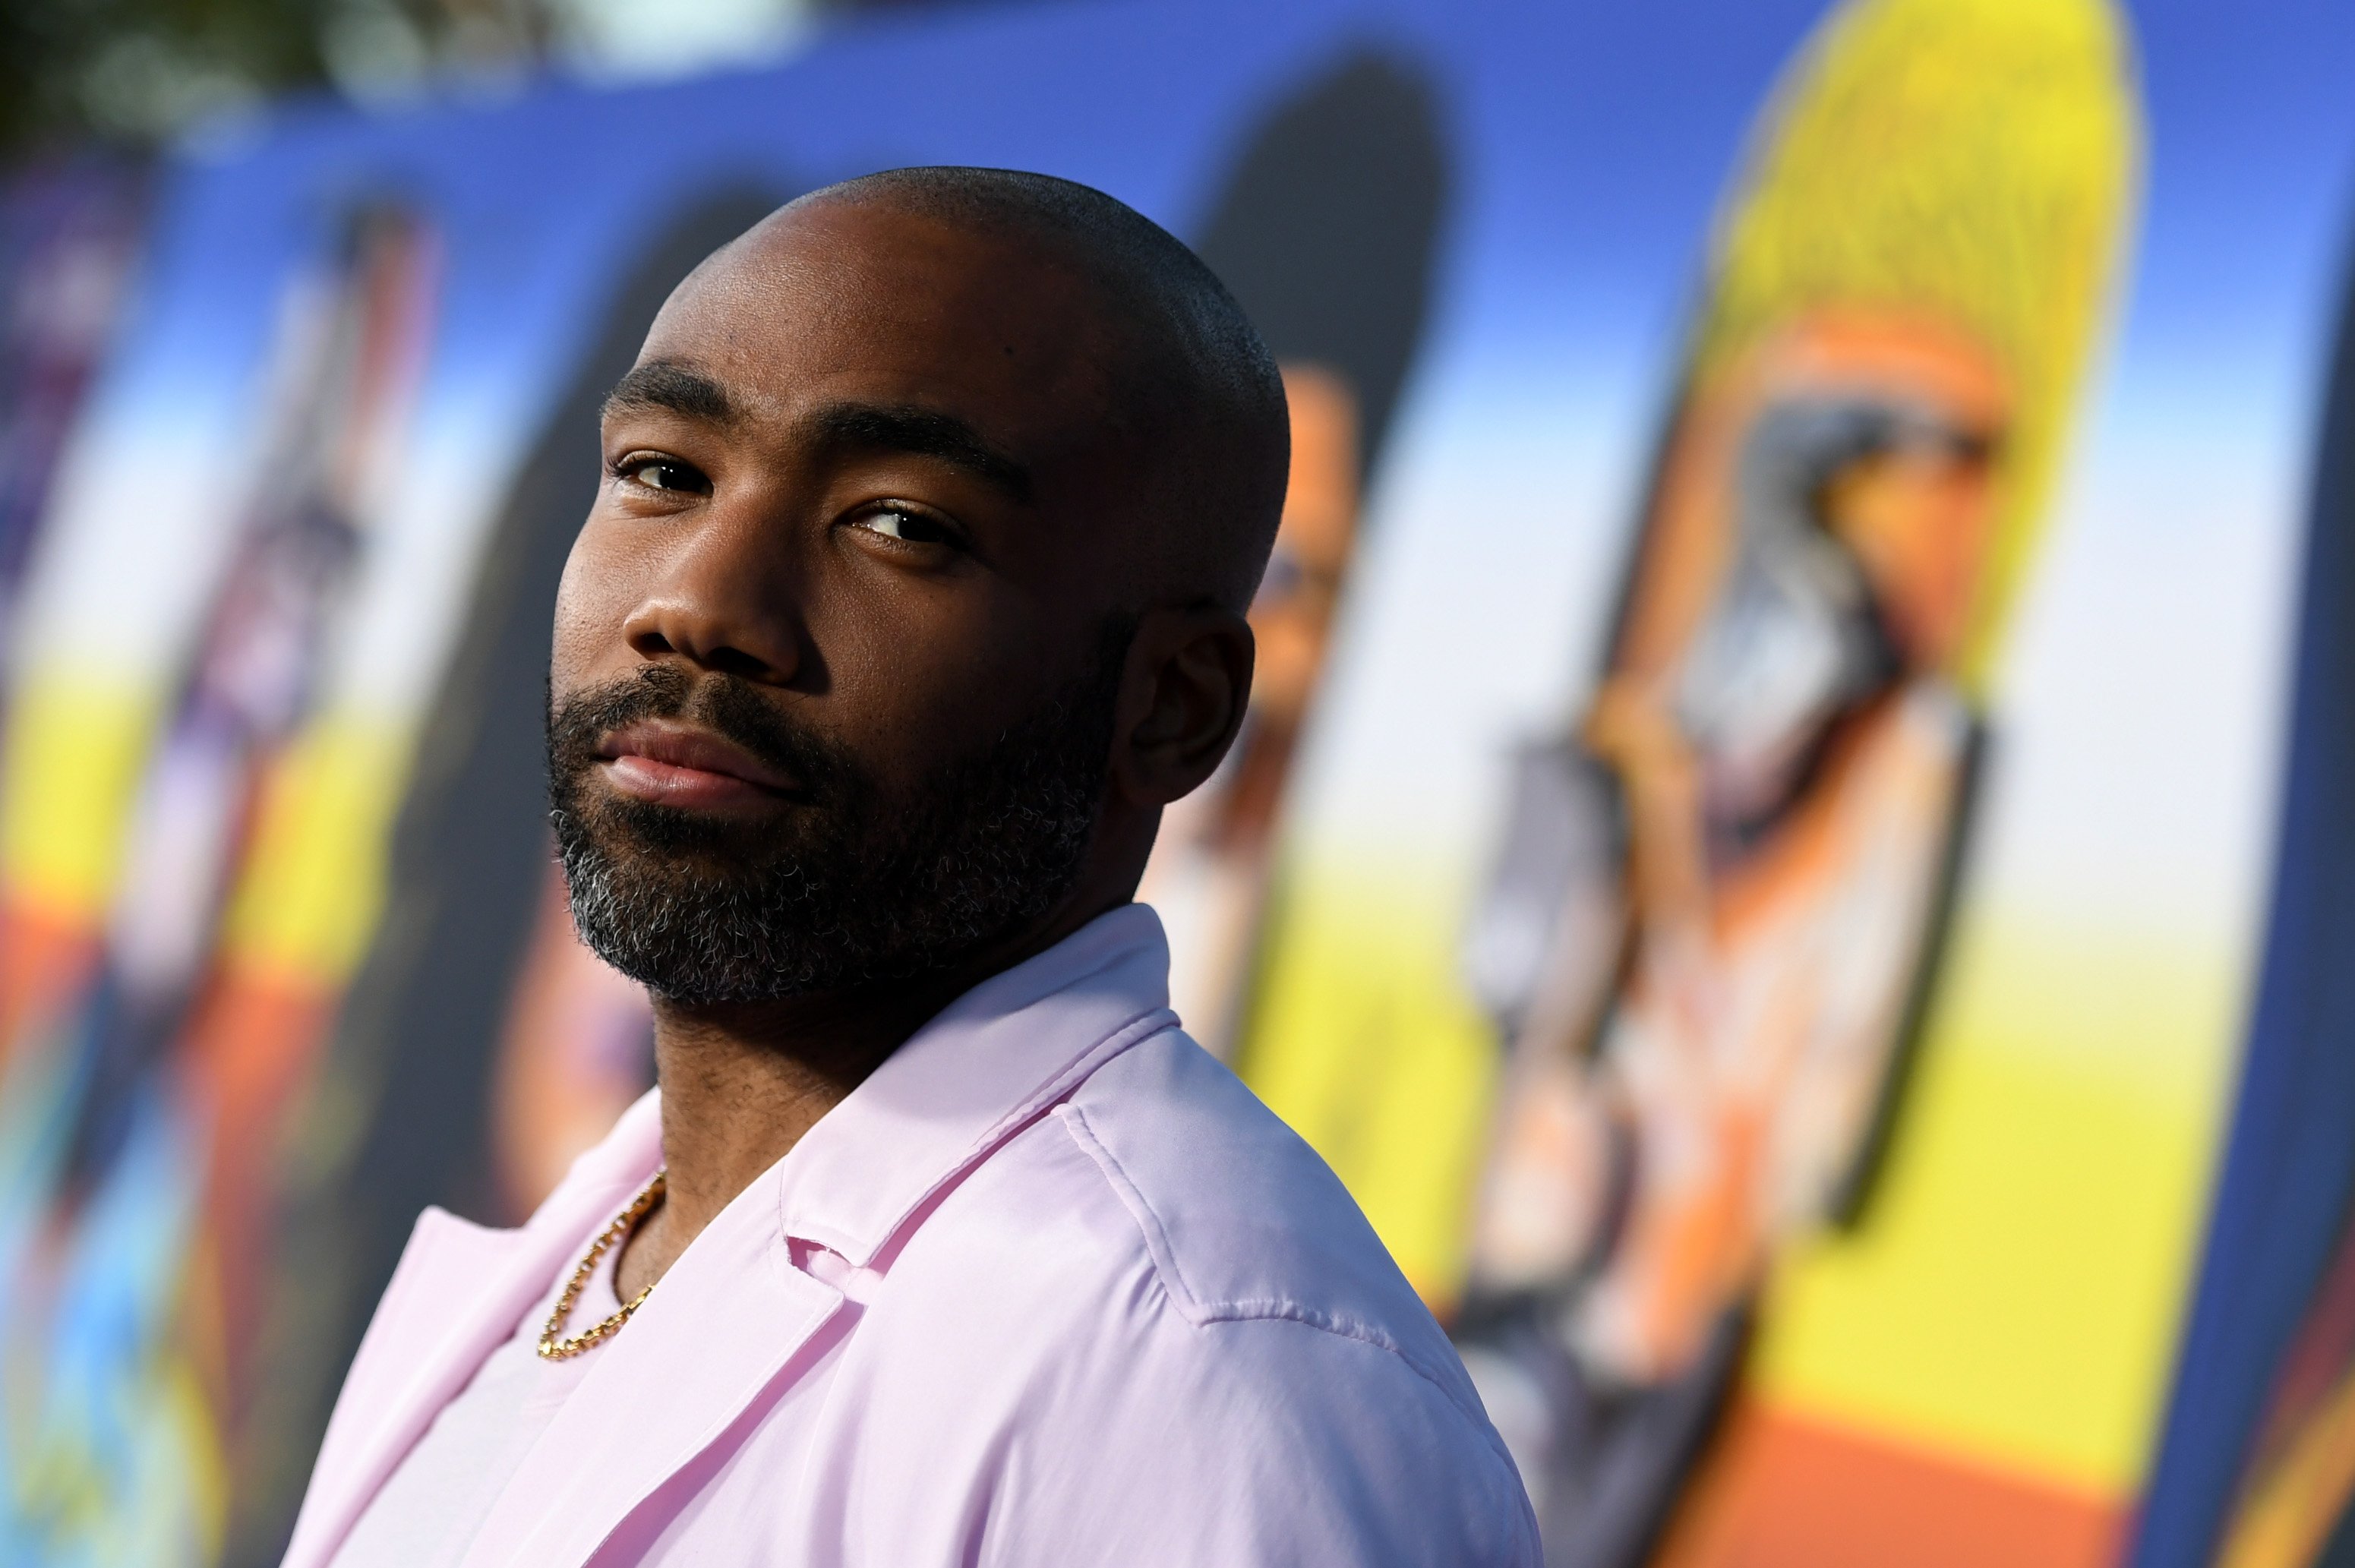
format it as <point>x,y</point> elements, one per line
<point>742,1081</point>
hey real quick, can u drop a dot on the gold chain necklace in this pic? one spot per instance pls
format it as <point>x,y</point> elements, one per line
<point>553,1349</point>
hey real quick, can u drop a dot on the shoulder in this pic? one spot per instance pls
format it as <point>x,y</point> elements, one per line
<point>1241,1221</point>
<point>1162,1173</point>
<point>1160,1273</point>
<point>1162,1206</point>
<point>1153,1325</point>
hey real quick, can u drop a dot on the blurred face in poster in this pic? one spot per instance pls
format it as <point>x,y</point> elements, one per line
<point>1293,614</point>
<point>1214,863</point>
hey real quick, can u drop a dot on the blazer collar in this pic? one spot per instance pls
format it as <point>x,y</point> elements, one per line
<point>993,1061</point>
<point>726,1320</point>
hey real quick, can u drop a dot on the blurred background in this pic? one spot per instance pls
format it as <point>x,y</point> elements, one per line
<point>1796,839</point>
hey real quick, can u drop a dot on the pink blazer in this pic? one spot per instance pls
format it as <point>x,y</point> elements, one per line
<point>1051,1286</point>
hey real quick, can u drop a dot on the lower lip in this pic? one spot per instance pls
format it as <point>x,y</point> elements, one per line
<point>664,784</point>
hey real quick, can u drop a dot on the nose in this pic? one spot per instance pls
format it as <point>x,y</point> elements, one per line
<point>725,600</point>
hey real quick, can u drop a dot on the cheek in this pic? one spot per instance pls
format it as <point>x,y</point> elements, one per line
<point>928,677</point>
<point>588,611</point>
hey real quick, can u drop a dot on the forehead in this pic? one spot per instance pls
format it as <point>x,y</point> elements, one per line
<point>838,300</point>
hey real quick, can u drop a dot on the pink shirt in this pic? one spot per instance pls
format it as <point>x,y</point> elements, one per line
<point>1050,1287</point>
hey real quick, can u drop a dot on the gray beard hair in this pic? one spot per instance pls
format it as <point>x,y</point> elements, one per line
<point>856,888</point>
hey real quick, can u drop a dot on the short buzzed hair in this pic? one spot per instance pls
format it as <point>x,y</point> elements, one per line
<point>1198,372</point>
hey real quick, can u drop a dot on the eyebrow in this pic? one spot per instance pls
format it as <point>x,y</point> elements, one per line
<point>680,387</point>
<point>924,433</point>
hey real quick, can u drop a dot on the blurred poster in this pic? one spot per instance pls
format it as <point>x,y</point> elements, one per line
<point>1324,231</point>
<point>1780,847</point>
<point>154,1050</point>
<point>68,240</point>
<point>1720,893</point>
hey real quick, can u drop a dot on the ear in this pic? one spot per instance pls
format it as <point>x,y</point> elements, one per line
<point>1183,692</point>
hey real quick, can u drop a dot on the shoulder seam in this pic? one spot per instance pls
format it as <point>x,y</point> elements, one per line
<point>1200,1313</point>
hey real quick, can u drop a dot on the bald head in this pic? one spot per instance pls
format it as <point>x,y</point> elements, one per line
<point>1190,384</point>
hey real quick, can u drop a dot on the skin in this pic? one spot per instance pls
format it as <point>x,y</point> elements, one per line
<point>907,588</point>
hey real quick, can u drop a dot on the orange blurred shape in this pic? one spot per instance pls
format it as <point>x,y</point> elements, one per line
<point>252,1040</point>
<point>1781,1490</point>
<point>45,960</point>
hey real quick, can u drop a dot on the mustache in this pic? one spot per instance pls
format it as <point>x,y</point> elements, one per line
<point>725,705</point>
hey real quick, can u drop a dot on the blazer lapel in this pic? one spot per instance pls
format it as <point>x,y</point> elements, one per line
<point>457,1295</point>
<point>722,1325</point>
<point>436,1323</point>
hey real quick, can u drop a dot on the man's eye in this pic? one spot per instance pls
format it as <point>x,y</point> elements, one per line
<point>665,474</point>
<point>911,526</point>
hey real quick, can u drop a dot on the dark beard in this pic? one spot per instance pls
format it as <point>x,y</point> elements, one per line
<point>853,887</point>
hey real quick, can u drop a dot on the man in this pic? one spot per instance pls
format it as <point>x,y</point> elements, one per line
<point>914,592</point>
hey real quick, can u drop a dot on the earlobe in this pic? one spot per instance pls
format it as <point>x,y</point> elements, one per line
<point>1185,689</point>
